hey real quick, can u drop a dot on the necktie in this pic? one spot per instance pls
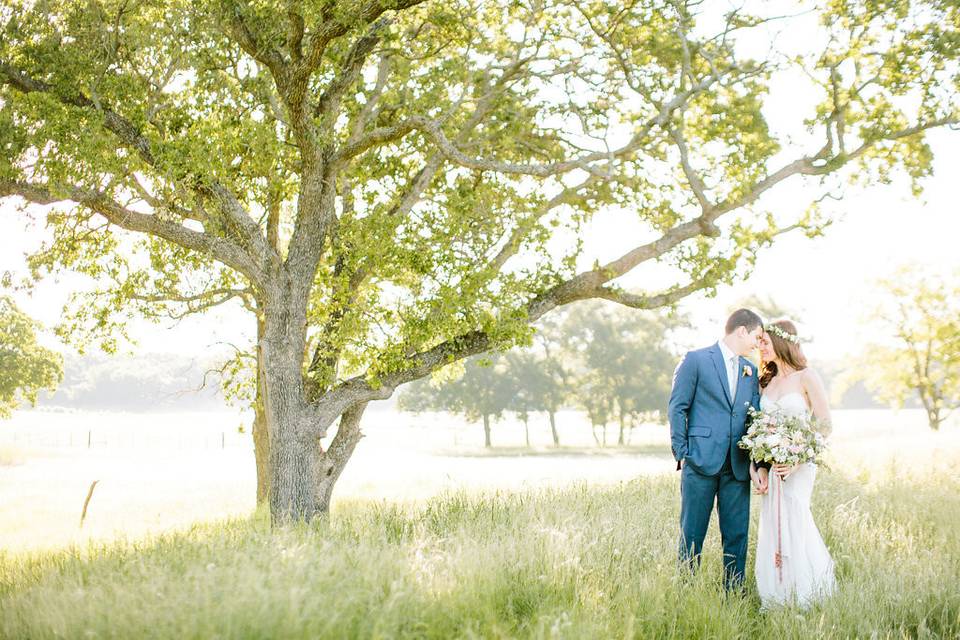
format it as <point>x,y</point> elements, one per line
<point>732,376</point>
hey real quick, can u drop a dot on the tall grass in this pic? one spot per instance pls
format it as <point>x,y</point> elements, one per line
<point>579,562</point>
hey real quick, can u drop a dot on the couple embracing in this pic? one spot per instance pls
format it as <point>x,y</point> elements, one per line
<point>713,390</point>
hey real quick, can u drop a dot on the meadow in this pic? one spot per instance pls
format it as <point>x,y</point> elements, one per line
<point>567,552</point>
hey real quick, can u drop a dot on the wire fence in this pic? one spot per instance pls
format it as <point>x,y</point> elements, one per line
<point>95,439</point>
<point>118,430</point>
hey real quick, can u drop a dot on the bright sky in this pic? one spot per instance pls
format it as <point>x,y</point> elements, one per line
<point>828,280</point>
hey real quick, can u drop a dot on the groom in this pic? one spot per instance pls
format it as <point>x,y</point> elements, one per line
<point>712,389</point>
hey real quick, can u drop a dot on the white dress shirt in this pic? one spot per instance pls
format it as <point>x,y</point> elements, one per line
<point>732,362</point>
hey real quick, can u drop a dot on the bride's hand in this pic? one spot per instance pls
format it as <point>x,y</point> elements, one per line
<point>784,470</point>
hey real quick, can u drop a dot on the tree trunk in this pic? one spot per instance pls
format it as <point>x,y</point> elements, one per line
<point>335,458</point>
<point>553,428</point>
<point>620,440</point>
<point>526,430</point>
<point>931,406</point>
<point>261,434</point>
<point>294,465</point>
<point>486,430</point>
<point>261,451</point>
<point>934,419</point>
<point>294,425</point>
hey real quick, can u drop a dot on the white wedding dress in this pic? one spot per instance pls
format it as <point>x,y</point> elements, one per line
<point>805,574</point>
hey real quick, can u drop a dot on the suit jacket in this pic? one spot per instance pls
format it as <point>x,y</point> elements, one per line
<point>705,424</point>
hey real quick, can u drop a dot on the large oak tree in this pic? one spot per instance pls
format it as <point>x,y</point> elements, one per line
<point>379,181</point>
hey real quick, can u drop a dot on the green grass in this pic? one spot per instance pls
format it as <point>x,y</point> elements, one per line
<point>581,562</point>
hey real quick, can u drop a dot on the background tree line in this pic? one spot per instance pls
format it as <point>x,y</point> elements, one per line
<point>612,363</point>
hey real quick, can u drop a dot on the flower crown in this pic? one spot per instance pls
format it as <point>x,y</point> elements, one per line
<point>780,333</point>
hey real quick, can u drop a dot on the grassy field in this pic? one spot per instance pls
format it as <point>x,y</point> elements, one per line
<point>572,562</point>
<point>431,536</point>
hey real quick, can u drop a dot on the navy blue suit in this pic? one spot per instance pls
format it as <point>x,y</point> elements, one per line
<point>705,427</point>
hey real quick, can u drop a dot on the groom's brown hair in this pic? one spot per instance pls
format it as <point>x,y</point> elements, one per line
<point>743,318</point>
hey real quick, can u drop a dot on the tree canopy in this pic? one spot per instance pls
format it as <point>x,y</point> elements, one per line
<point>26,367</point>
<point>920,316</point>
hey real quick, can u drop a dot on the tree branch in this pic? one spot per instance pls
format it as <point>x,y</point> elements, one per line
<point>220,249</point>
<point>295,29</point>
<point>693,178</point>
<point>431,129</point>
<point>334,28</point>
<point>589,284</point>
<point>115,123</point>
<point>329,101</point>
<point>244,35</point>
<point>206,300</point>
<point>134,139</point>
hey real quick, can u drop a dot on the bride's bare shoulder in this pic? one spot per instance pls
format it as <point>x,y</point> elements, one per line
<point>810,377</point>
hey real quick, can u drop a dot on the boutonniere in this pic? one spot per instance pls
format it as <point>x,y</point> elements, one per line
<point>747,371</point>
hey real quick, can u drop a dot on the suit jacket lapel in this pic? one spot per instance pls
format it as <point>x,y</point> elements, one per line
<point>722,372</point>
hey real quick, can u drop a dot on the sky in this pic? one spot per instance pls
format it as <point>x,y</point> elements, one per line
<point>828,281</point>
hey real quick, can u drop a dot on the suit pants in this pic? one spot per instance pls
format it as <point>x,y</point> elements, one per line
<point>697,495</point>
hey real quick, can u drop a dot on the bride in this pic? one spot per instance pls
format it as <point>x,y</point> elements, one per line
<point>793,564</point>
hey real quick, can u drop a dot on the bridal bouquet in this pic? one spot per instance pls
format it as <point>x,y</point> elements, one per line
<point>780,438</point>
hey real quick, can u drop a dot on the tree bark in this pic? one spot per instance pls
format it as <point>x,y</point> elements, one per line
<point>934,419</point>
<point>486,431</point>
<point>553,428</point>
<point>261,434</point>
<point>526,430</point>
<point>338,454</point>
<point>261,451</point>
<point>930,407</point>
<point>293,425</point>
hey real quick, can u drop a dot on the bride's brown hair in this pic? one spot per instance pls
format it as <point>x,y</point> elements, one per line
<point>788,352</point>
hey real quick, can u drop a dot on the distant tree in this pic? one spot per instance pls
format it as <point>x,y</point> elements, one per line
<point>25,366</point>
<point>140,382</point>
<point>481,393</point>
<point>539,377</point>
<point>529,382</point>
<point>555,385</point>
<point>595,395</point>
<point>624,363</point>
<point>922,314</point>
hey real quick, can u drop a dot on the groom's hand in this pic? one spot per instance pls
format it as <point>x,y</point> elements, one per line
<point>762,481</point>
